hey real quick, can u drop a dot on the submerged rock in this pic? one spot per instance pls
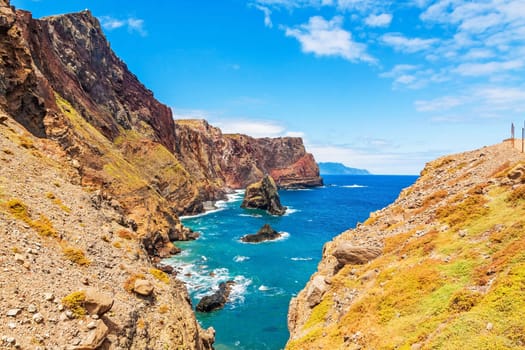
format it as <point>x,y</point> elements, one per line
<point>263,195</point>
<point>265,233</point>
<point>216,300</point>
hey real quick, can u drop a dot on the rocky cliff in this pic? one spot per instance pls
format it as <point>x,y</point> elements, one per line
<point>64,83</point>
<point>441,268</point>
<point>235,160</point>
<point>95,173</point>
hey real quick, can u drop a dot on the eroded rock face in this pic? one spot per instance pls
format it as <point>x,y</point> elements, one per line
<point>235,160</point>
<point>263,195</point>
<point>265,233</point>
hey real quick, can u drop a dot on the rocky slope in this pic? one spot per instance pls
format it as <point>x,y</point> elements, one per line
<point>59,239</point>
<point>441,268</point>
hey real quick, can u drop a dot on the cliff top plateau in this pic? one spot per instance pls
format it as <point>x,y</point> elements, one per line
<point>443,267</point>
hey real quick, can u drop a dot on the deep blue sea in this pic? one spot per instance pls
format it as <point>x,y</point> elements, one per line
<point>268,274</point>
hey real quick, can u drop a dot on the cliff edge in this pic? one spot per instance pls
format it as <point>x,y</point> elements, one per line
<point>442,267</point>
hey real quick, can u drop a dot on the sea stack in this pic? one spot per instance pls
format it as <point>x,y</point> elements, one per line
<point>263,195</point>
<point>266,233</point>
<point>216,300</point>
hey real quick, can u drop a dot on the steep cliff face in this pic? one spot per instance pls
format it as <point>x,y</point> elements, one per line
<point>442,267</point>
<point>235,160</point>
<point>63,82</point>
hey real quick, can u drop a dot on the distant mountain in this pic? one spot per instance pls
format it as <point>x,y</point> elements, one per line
<point>330,168</point>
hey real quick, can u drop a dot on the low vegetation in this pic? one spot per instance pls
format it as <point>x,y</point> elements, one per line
<point>457,282</point>
<point>75,303</point>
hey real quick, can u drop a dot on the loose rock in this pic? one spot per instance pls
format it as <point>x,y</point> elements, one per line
<point>143,287</point>
<point>97,303</point>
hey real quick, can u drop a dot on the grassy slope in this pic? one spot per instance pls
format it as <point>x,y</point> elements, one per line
<point>459,285</point>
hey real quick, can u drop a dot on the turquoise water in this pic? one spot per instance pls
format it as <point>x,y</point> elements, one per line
<point>268,274</point>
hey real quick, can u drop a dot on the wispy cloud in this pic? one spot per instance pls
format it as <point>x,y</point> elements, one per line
<point>327,38</point>
<point>254,128</point>
<point>438,104</point>
<point>382,20</point>
<point>134,25</point>
<point>267,15</point>
<point>181,113</point>
<point>488,68</point>
<point>401,43</point>
<point>378,162</point>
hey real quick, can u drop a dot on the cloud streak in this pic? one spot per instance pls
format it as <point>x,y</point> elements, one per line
<point>134,25</point>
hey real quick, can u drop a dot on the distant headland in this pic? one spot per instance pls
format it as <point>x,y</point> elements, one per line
<point>331,168</point>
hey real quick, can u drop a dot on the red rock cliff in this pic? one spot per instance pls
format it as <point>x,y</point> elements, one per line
<point>235,160</point>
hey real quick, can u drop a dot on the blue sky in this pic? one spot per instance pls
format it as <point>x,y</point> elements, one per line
<point>382,85</point>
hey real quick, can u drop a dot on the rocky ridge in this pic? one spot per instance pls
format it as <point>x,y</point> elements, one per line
<point>442,267</point>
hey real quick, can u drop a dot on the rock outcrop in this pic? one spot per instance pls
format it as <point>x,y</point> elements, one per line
<point>263,195</point>
<point>432,270</point>
<point>216,300</point>
<point>265,233</point>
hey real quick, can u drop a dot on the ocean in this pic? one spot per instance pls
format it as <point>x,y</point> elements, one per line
<point>269,274</point>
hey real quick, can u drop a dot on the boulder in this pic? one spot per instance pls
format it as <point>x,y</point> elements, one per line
<point>143,287</point>
<point>95,337</point>
<point>315,291</point>
<point>263,195</point>
<point>265,233</point>
<point>216,300</point>
<point>97,303</point>
<point>346,253</point>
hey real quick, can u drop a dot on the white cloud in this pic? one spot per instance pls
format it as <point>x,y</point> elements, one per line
<point>111,23</point>
<point>410,45</point>
<point>254,128</point>
<point>478,53</point>
<point>181,113</point>
<point>376,162</point>
<point>136,25</point>
<point>133,24</point>
<point>328,38</point>
<point>438,104</point>
<point>267,15</point>
<point>502,98</point>
<point>382,20</point>
<point>488,68</point>
<point>294,134</point>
